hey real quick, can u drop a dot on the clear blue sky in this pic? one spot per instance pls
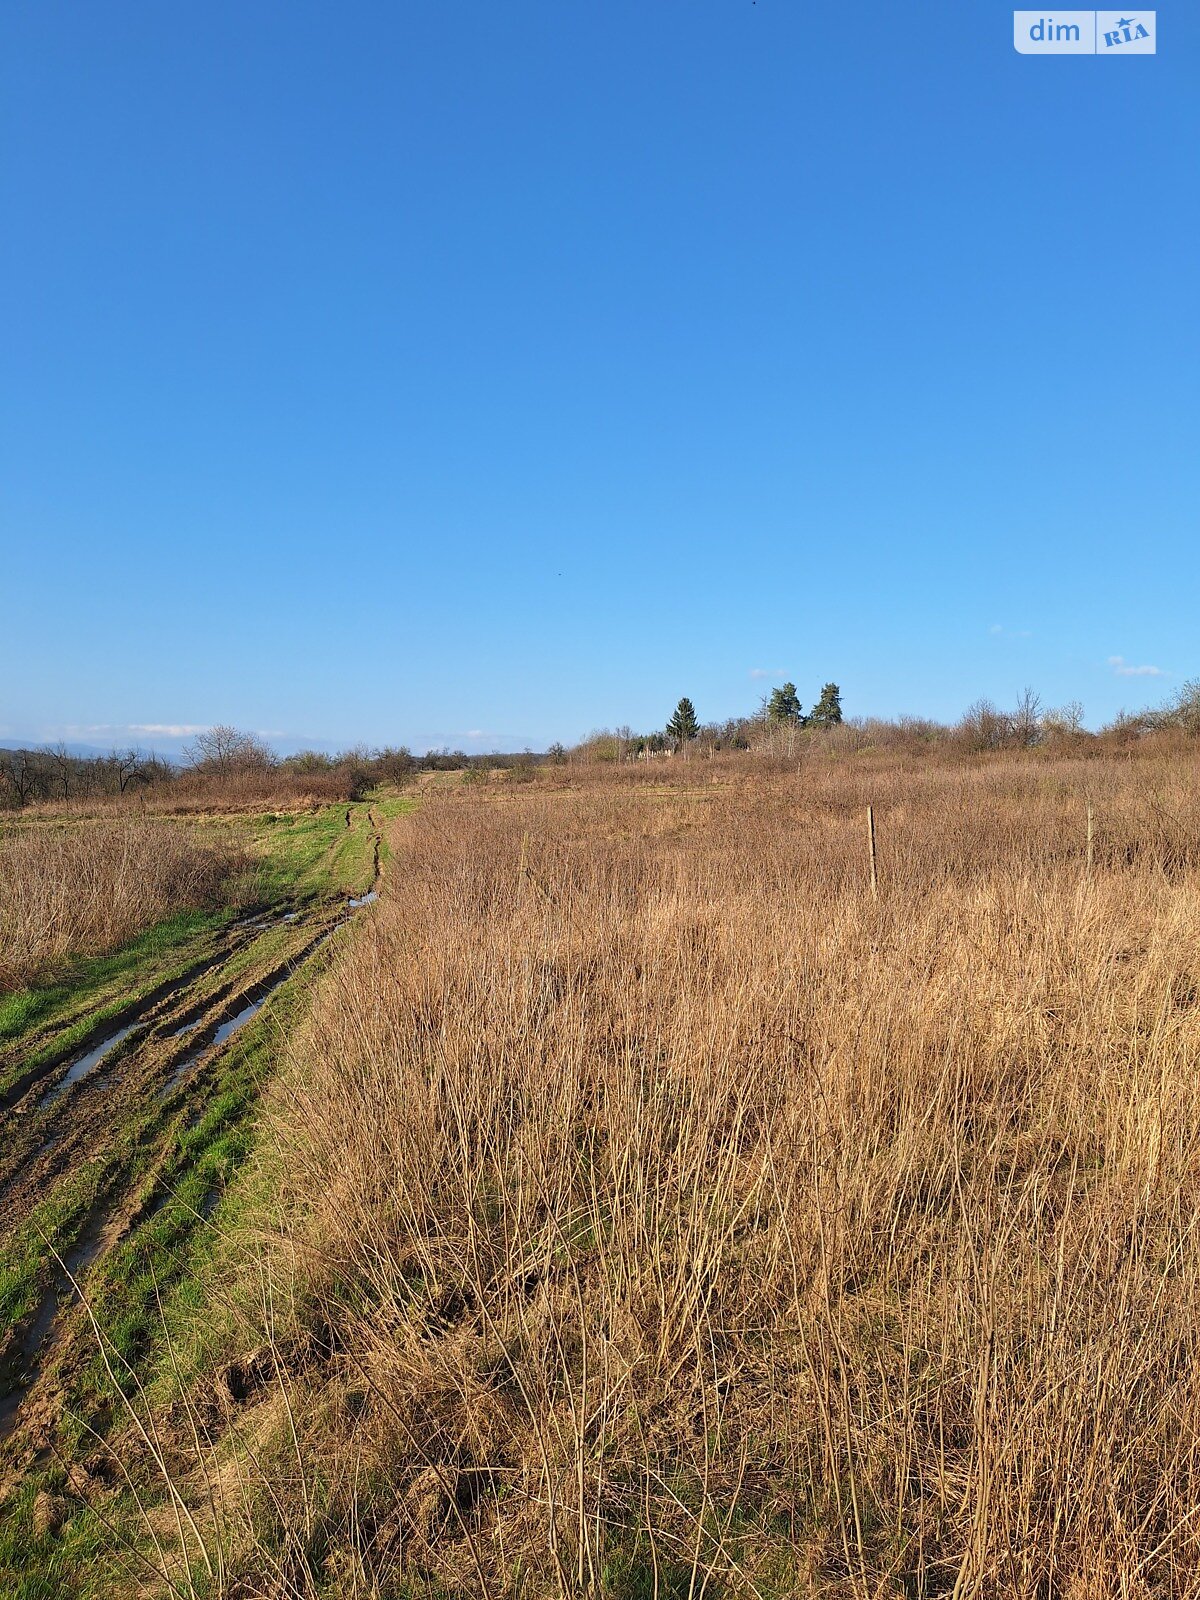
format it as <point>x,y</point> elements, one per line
<point>481,373</point>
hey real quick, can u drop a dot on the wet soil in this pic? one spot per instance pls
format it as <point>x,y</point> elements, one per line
<point>75,1105</point>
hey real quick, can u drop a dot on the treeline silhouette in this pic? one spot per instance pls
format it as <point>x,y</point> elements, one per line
<point>239,767</point>
<point>231,763</point>
<point>780,728</point>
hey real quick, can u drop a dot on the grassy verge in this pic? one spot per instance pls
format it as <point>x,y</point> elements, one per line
<point>313,853</point>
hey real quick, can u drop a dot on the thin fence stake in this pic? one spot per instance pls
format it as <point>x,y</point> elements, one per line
<point>1091,840</point>
<point>871,847</point>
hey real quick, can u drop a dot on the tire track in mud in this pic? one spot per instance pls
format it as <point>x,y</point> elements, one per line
<point>160,1048</point>
<point>179,1036</point>
<point>49,1131</point>
<point>106,1055</point>
<point>28,1356</point>
<point>132,1015</point>
<point>376,862</point>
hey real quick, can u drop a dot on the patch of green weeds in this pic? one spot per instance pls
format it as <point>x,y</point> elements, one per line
<point>312,853</point>
<point>48,1540</point>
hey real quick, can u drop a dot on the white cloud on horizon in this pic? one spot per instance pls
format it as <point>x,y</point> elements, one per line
<point>1125,669</point>
<point>161,730</point>
<point>92,730</point>
<point>763,672</point>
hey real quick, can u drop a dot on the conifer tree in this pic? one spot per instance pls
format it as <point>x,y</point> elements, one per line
<point>683,725</point>
<point>784,706</point>
<point>827,713</point>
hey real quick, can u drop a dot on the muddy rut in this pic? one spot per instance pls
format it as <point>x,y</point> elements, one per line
<point>75,1105</point>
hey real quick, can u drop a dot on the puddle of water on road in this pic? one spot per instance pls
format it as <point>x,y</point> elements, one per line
<point>225,1031</point>
<point>21,1371</point>
<point>240,1019</point>
<point>85,1064</point>
<point>364,900</point>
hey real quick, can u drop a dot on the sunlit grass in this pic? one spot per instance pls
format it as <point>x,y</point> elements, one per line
<point>645,1207</point>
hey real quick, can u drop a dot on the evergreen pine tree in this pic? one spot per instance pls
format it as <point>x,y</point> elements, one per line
<point>683,725</point>
<point>784,705</point>
<point>827,713</point>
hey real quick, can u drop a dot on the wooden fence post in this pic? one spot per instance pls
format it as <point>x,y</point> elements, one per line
<point>871,848</point>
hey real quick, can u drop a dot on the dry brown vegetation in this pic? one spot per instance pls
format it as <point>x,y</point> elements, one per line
<point>271,788</point>
<point>81,889</point>
<point>672,1217</point>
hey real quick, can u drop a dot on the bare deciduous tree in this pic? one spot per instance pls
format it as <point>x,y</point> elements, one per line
<point>63,765</point>
<point>1025,720</point>
<point>983,727</point>
<point>225,749</point>
<point>128,766</point>
<point>1064,722</point>
<point>19,772</point>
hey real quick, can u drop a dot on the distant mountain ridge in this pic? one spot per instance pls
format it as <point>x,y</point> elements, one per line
<point>83,751</point>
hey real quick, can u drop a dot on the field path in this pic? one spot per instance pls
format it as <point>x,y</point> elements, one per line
<point>93,1123</point>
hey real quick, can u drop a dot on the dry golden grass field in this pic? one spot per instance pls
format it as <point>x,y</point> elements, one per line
<point>645,1208</point>
<point>667,1215</point>
<point>69,890</point>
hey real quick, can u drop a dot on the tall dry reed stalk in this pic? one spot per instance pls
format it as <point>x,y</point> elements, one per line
<point>675,1218</point>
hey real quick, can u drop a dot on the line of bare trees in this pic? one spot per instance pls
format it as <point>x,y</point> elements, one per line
<point>225,759</point>
<point>52,772</point>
